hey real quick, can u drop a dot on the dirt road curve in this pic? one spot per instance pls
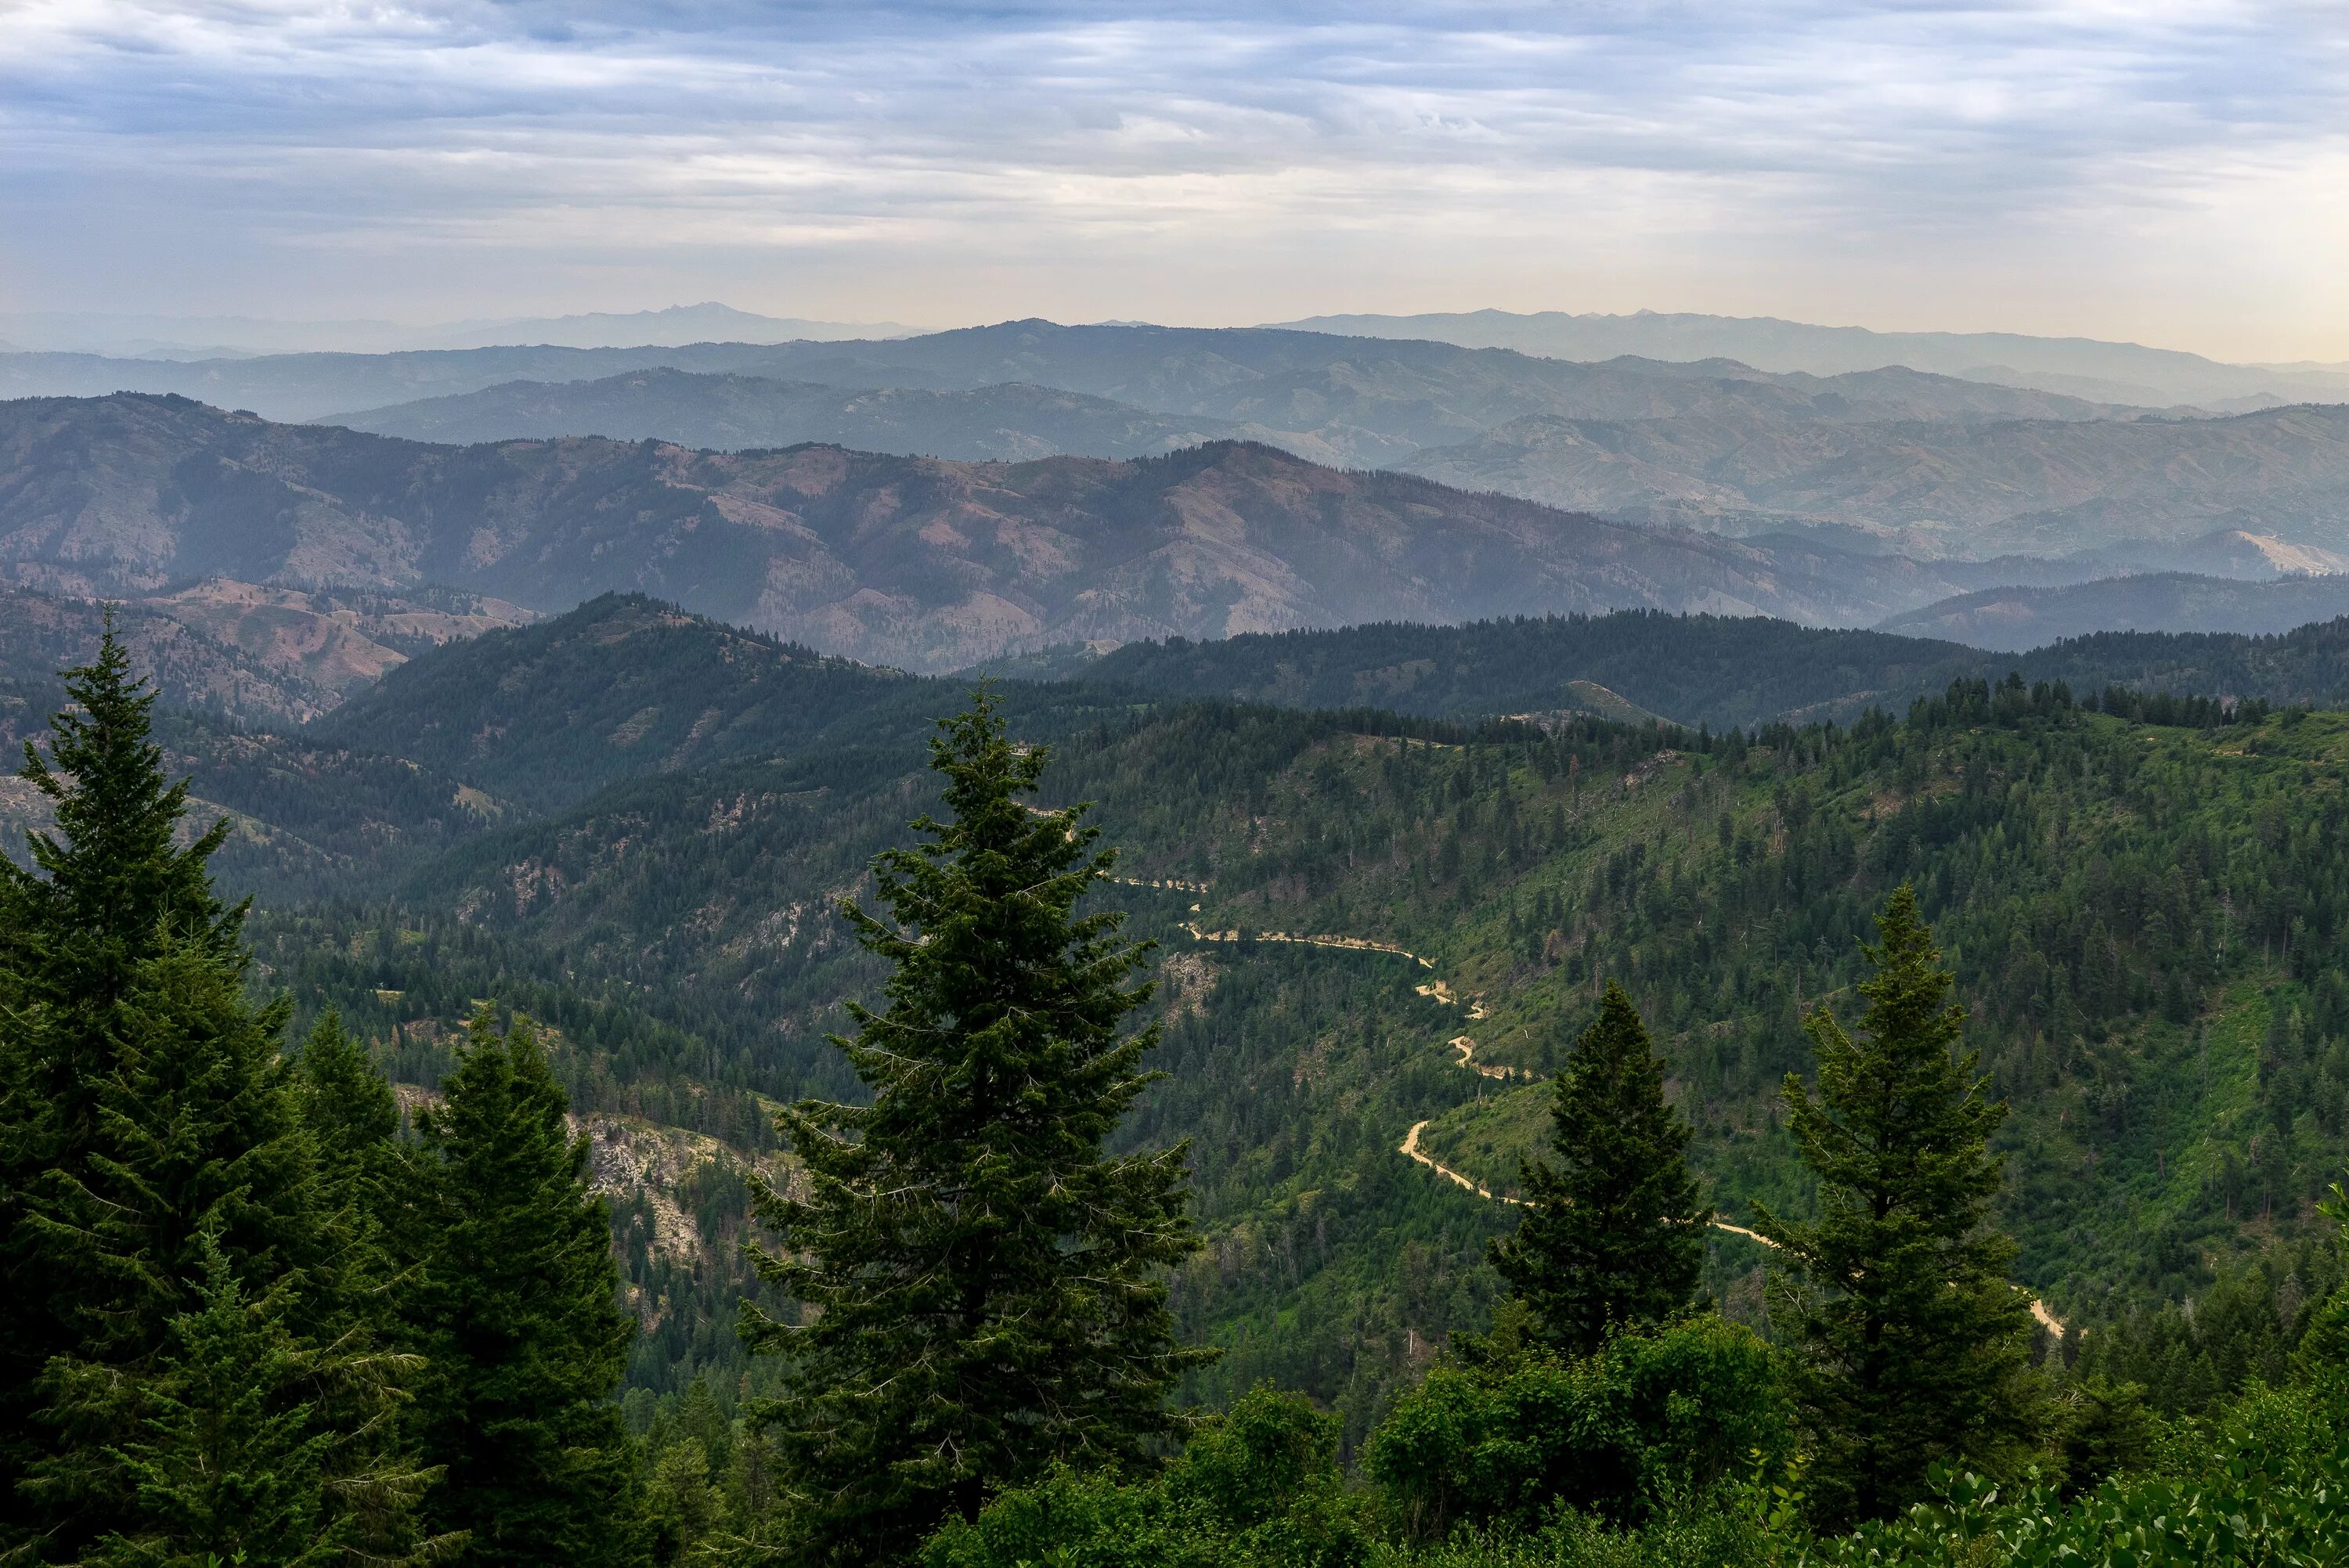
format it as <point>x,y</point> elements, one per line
<point>1467,1045</point>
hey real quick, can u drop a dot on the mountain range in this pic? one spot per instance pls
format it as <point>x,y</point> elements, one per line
<point>927,564</point>
<point>2082,367</point>
<point>1007,423</point>
<point>636,826</point>
<point>1370,399</point>
<point>2018,618</point>
<point>1880,459</point>
<point>149,335</point>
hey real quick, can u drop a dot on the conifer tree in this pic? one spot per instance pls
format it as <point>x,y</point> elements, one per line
<point>238,1455</point>
<point>367,1177</point>
<point>1912,1345</point>
<point>986,1284</point>
<point>519,1320</point>
<point>346,1100</point>
<point>1613,1232</point>
<point>143,1107</point>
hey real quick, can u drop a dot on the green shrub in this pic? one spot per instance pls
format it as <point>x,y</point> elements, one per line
<point>2268,1490</point>
<point>1649,1419</point>
<point>1259,1488</point>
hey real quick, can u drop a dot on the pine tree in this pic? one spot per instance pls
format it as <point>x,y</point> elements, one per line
<point>367,1177</point>
<point>239,1456</point>
<point>519,1320</point>
<point>346,1101</point>
<point>1914,1347</point>
<point>1613,1232</point>
<point>143,1107</point>
<point>980,1289</point>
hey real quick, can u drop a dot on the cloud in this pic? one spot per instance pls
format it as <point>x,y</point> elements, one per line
<point>1197,161</point>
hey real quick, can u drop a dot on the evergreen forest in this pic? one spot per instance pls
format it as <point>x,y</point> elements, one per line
<point>628,1091</point>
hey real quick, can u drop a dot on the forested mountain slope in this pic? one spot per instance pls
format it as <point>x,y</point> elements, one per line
<point>1700,669</point>
<point>41,634</point>
<point>2018,618</point>
<point>921,562</point>
<point>1009,423</point>
<point>1354,911</point>
<point>2139,915</point>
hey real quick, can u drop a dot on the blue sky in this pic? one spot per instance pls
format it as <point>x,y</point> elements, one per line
<point>2176,172</point>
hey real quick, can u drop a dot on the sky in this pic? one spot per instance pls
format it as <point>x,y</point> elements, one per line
<point>2169,172</point>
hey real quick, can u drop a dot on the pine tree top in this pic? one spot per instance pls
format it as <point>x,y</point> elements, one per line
<point>987,1283</point>
<point>1005,1004</point>
<point>112,884</point>
<point>1898,1132</point>
<point>1613,1231</point>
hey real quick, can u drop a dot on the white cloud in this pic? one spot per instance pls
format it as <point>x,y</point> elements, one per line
<point>1900,163</point>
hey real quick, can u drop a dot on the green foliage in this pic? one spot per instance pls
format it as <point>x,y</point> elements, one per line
<point>987,1285</point>
<point>1716,670</point>
<point>1911,1342</point>
<point>1257,1488</point>
<point>253,1446</point>
<point>2263,1487</point>
<point>1613,1233</point>
<point>2244,1326</point>
<point>146,1121</point>
<point>1649,1422</point>
<point>518,1318</point>
<point>620,685</point>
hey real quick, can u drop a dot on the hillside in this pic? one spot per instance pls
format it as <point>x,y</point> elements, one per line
<point>41,634</point>
<point>2018,618</point>
<point>619,688</point>
<point>2115,372</point>
<point>1009,423</point>
<point>926,563</point>
<point>2122,900</point>
<point>1712,670</point>
<point>2036,487</point>
<point>1928,464</point>
<point>2140,915</point>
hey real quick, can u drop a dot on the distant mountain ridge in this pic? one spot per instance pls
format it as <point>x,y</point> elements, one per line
<point>1379,398</point>
<point>927,564</point>
<point>2021,487</point>
<point>1922,464</point>
<point>139,334</point>
<point>724,412</point>
<point>2015,619</point>
<point>2082,367</point>
<point>1715,670</point>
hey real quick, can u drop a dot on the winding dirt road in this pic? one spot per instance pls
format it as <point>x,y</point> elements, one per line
<point>1442,992</point>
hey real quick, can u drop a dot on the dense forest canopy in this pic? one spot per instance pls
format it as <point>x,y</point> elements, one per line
<point>621,839</point>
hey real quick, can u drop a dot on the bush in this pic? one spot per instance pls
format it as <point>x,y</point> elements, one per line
<point>2266,1489</point>
<point>1651,1419</point>
<point>1259,1488</point>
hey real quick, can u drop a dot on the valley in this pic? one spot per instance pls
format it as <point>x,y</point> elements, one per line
<point>535,816</point>
<point>1134,786</point>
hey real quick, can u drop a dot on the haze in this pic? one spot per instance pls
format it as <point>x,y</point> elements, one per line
<point>2167,173</point>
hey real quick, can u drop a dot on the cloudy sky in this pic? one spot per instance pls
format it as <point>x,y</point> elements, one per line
<point>2175,172</point>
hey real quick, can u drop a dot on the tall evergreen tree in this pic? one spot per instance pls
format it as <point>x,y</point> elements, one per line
<point>980,1288</point>
<point>367,1176</point>
<point>1913,1346</point>
<point>519,1320</point>
<point>143,1108</point>
<point>245,1449</point>
<point>1613,1232</point>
